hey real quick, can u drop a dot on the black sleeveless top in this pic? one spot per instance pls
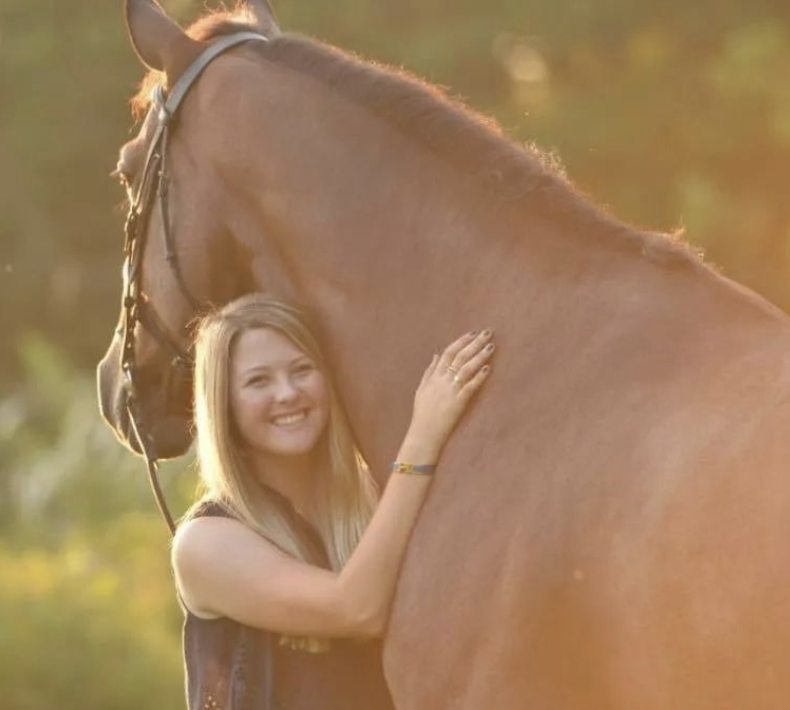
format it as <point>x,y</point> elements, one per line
<point>230,666</point>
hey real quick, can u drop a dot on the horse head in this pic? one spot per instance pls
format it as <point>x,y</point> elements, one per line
<point>274,182</point>
<point>178,265</point>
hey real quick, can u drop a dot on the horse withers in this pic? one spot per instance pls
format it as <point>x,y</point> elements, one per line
<point>608,530</point>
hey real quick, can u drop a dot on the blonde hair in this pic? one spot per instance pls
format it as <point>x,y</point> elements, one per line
<point>346,497</point>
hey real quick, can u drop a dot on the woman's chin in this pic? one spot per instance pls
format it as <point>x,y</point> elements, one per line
<point>292,448</point>
<point>292,439</point>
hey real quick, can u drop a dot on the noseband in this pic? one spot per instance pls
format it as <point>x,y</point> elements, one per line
<point>149,189</point>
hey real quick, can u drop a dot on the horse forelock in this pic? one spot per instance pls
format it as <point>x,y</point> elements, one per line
<point>518,178</point>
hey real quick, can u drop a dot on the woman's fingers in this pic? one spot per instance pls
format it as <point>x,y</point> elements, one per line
<point>452,350</point>
<point>471,386</point>
<point>475,362</point>
<point>470,349</point>
<point>461,360</point>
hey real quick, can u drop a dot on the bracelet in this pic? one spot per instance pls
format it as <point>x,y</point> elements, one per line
<point>422,469</point>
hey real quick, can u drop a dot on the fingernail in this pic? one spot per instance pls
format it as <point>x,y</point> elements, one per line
<point>486,333</point>
<point>473,333</point>
<point>490,347</point>
<point>485,368</point>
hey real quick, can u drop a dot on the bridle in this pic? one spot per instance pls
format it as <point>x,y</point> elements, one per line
<point>149,189</point>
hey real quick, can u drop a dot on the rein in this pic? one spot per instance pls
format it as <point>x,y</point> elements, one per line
<point>152,188</point>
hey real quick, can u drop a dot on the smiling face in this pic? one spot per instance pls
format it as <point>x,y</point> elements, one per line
<point>278,398</point>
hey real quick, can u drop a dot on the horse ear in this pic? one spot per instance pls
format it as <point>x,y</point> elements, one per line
<point>264,17</point>
<point>157,39</point>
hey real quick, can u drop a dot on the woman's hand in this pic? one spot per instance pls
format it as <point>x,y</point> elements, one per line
<point>447,385</point>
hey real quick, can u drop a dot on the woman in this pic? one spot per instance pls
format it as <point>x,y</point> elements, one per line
<point>284,544</point>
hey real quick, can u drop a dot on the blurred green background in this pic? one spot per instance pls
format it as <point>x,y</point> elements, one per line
<point>672,114</point>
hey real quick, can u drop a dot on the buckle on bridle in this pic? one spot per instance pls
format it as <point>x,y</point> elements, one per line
<point>159,100</point>
<point>131,220</point>
<point>128,384</point>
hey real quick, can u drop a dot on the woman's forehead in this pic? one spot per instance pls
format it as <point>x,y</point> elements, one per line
<point>263,347</point>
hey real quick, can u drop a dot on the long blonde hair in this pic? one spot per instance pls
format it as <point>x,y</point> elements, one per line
<point>345,498</point>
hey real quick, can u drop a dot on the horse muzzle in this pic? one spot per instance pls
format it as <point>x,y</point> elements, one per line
<point>166,435</point>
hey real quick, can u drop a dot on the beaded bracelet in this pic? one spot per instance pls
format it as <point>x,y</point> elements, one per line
<point>422,469</point>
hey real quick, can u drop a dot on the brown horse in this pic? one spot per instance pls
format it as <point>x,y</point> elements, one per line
<point>609,530</point>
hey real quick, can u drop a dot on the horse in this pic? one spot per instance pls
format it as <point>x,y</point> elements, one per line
<point>608,529</point>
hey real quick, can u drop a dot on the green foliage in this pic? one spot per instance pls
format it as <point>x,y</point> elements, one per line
<point>87,602</point>
<point>61,465</point>
<point>90,624</point>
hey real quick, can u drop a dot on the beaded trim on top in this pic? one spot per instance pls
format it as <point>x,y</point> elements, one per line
<point>309,644</point>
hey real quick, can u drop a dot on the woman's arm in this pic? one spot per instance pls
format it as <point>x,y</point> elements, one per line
<point>224,569</point>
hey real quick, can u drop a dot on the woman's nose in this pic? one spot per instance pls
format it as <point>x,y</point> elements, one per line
<point>285,390</point>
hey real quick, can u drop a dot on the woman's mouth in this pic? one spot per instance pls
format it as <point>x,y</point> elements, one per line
<point>285,420</point>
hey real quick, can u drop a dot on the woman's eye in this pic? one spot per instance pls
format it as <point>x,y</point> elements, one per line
<point>257,381</point>
<point>304,369</point>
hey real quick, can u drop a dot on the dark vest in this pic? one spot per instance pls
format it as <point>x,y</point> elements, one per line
<point>230,666</point>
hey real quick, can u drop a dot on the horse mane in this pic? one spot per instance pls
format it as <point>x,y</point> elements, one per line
<point>515,176</point>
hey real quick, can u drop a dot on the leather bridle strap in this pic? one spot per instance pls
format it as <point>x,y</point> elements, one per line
<point>153,184</point>
<point>152,322</point>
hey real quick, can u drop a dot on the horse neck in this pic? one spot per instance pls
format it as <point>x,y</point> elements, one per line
<point>396,250</point>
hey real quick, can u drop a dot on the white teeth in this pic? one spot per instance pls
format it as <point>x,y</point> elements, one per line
<point>289,418</point>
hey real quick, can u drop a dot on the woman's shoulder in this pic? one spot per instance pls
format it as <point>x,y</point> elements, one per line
<point>200,538</point>
<point>197,547</point>
<point>206,533</point>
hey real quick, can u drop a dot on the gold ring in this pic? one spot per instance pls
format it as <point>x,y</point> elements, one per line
<point>457,380</point>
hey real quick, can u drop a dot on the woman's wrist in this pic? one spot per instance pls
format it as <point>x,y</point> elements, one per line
<point>418,450</point>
